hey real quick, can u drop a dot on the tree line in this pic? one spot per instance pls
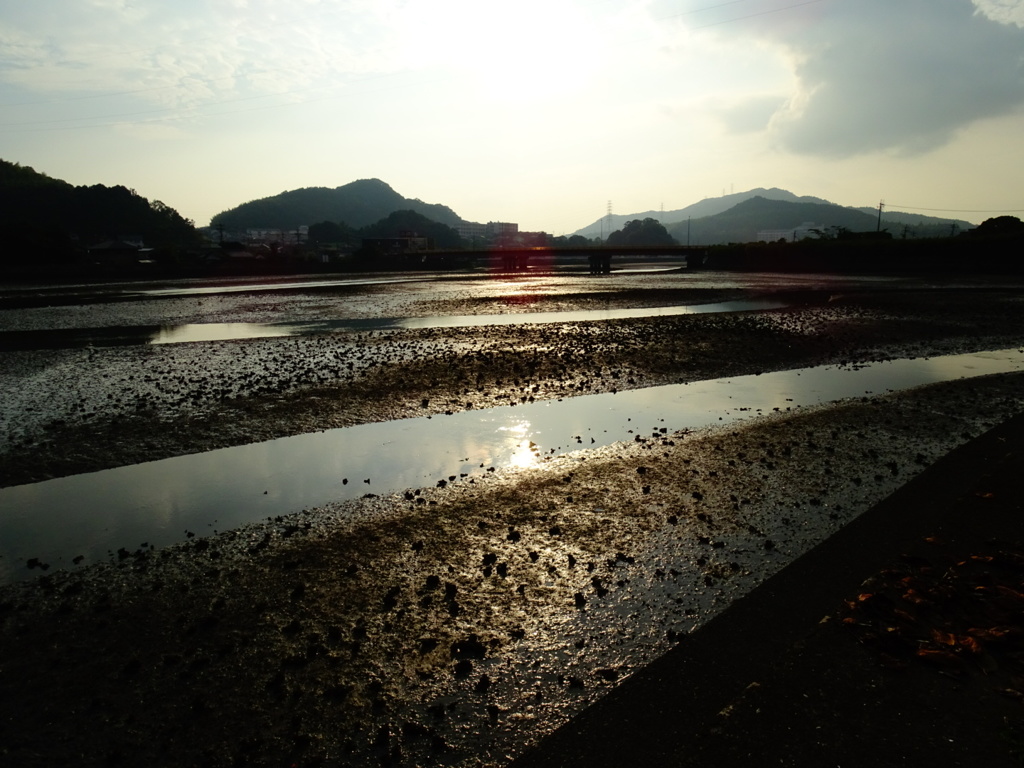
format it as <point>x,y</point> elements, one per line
<point>50,220</point>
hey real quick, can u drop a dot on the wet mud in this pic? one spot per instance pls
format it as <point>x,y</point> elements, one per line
<point>75,410</point>
<point>455,624</point>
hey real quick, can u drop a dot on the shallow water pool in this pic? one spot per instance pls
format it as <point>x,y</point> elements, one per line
<point>158,503</point>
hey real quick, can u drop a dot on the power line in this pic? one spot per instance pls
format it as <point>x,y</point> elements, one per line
<point>956,210</point>
<point>705,8</point>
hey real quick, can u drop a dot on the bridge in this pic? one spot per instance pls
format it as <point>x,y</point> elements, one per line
<point>599,257</point>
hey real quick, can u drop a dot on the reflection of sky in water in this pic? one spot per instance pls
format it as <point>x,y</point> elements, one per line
<point>158,501</point>
<point>459,321</point>
<point>259,287</point>
<point>217,332</point>
<point>191,332</point>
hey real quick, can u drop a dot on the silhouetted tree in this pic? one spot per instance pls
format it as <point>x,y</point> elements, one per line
<point>636,232</point>
<point>398,222</point>
<point>998,227</point>
<point>49,219</point>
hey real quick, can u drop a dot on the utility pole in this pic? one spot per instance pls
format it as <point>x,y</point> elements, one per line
<point>881,204</point>
<point>687,231</point>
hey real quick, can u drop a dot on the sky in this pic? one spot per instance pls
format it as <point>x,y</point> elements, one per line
<point>541,112</point>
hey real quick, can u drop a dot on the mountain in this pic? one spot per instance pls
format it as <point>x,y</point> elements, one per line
<point>53,220</point>
<point>743,222</point>
<point>917,225</point>
<point>16,176</point>
<point>705,228</point>
<point>709,206</point>
<point>357,204</point>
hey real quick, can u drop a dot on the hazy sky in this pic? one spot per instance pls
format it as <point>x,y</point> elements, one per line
<point>538,111</point>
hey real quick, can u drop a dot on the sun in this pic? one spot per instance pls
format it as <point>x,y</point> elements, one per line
<point>529,50</point>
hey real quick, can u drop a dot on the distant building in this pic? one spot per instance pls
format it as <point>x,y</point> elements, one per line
<point>284,236</point>
<point>470,230</point>
<point>502,234</point>
<point>396,245</point>
<point>235,251</point>
<point>123,250</point>
<point>501,228</point>
<point>493,233</point>
<point>807,229</point>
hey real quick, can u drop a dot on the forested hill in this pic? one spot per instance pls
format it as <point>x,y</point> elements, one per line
<point>356,204</point>
<point>709,206</point>
<point>15,176</point>
<point>43,217</point>
<point>743,222</point>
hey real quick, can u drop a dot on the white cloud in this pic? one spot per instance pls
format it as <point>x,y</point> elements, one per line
<point>1003,11</point>
<point>187,53</point>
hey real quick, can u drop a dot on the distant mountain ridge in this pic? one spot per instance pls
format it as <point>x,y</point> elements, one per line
<point>738,218</point>
<point>744,221</point>
<point>356,204</point>
<point>40,208</point>
<point>902,218</point>
<point>709,206</point>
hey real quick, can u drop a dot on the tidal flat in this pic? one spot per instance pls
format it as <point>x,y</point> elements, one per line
<point>458,623</point>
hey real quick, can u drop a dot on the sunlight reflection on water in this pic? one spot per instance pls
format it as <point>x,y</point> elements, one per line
<point>250,287</point>
<point>157,502</point>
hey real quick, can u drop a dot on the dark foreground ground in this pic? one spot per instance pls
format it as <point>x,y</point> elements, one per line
<point>896,642</point>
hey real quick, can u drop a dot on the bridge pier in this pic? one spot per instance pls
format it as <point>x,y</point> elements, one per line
<point>600,263</point>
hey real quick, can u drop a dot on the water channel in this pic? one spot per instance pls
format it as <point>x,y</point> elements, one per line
<point>195,332</point>
<point>88,517</point>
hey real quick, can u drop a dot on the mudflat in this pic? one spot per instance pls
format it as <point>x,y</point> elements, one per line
<point>453,625</point>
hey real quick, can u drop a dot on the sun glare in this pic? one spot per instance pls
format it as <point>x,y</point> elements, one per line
<point>526,453</point>
<point>523,52</point>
